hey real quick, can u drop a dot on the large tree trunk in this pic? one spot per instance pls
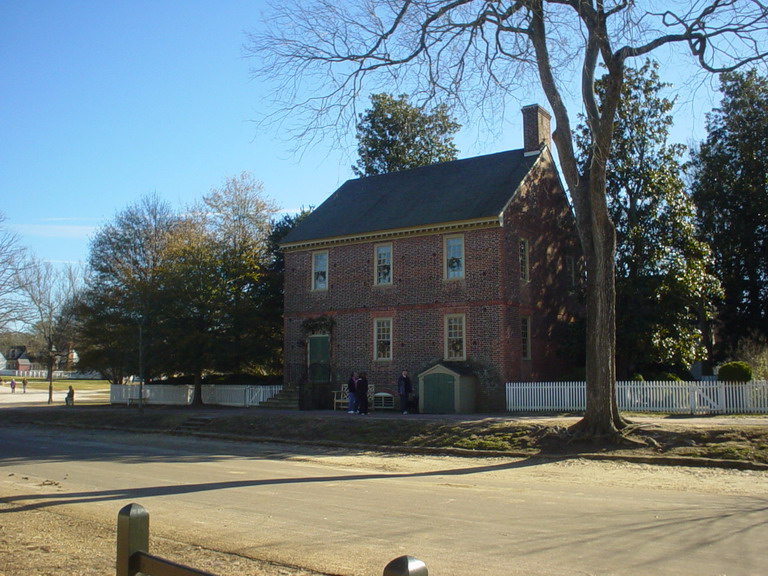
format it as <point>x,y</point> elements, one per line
<point>197,395</point>
<point>602,416</point>
<point>596,230</point>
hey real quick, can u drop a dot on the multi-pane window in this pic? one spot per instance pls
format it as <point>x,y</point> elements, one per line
<point>320,271</point>
<point>454,337</point>
<point>524,269</point>
<point>454,257</point>
<point>570,267</point>
<point>384,264</point>
<point>382,337</point>
<point>525,337</point>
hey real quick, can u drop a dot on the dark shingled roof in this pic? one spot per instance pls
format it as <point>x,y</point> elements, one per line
<point>468,189</point>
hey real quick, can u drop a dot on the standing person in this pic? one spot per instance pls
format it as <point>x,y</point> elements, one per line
<point>70,399</point>
<point>361,392</point>
<point>13,385</point>
<point>352,393</point>
<point>404,389</point>
<point>24,385</point>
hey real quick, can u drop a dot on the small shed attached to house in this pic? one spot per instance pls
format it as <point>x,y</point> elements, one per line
<point>448,388</point>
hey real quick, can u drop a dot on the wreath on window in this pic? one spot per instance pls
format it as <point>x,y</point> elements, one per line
<point>454,263</point>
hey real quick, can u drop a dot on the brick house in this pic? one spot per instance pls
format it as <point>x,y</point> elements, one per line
<point>467,267</point>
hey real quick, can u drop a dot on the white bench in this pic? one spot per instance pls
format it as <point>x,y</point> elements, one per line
<point>341,399</point>
<point>134,399</point>
<point>383,401</point>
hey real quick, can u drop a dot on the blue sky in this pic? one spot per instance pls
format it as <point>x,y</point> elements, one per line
<point>102,103</point>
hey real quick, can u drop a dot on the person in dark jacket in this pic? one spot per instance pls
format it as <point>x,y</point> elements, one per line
<point>362,393</point>
<point>352,393</point>
<point>404,389</point>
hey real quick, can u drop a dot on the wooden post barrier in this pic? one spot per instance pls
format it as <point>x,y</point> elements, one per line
<point>406,566</point>
<point>133,557</point>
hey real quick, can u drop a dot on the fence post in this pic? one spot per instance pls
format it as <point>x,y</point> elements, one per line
<point>406,566</point>
<point>132,536</point>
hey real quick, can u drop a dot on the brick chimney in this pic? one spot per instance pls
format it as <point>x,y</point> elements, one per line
<point>536,129</point>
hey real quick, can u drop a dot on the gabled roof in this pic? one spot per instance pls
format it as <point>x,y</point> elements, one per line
<point>462,190</point>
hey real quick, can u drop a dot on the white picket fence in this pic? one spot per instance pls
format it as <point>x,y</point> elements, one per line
<point>182,395</point>
<point>645,396</point>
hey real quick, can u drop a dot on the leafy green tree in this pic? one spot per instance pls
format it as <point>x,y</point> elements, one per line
<point>662,280</point>
<point>182,295</point>
<point>190,293</point>
<point>238,218</point>
<point>121,307</point>
<point>107,341</point>
<point>394,135</point>
<point>731,193</point>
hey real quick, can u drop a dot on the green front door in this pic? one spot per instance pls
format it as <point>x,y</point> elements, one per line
<point>319,359</point>
<point>439,394</point>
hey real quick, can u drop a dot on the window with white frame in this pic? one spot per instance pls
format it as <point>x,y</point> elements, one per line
<point>454,257</point>
<point>524,266</point>
<point>383,264</point>
<point>525,337</point>
<point>570,267</point>
<point>455,348</point>
<point>382,337</point>
<point>320,270</point>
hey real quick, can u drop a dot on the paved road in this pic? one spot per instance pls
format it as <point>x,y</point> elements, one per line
<point>343,513</point>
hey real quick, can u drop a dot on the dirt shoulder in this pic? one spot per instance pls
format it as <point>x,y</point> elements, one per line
<point>51,543</point>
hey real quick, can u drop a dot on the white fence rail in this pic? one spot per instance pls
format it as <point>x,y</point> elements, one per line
<point>645,396</point>
<point>182,395</point>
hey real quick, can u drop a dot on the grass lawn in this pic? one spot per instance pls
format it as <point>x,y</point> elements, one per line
<point>40,384</point>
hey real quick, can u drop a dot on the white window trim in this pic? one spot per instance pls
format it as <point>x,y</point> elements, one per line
<point>525,263</point>
<point>376,264</point>
<point>376,339</point>
<point>447,354</point>
<point>314,271</point>
<point>570,269</point>
<point>525,343</point>
<point>463,257</point>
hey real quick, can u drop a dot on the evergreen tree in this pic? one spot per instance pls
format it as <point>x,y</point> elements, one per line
<point>663,287</point>
<point>393,135</point>
<point>731,194</point>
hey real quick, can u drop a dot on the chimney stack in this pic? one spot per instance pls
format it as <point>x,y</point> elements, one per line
<point>536,130</point>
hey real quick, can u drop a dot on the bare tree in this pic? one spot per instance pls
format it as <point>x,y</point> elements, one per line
<point>478,53</point>
<point>50,296</point>
<point>11,256</point>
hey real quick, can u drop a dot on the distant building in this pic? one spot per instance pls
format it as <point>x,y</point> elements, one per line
<point>18,359</point>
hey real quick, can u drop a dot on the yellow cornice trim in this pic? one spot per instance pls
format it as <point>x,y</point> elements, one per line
<point>394,233</point>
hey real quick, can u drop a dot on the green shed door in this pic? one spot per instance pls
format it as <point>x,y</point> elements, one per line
<point>439,394</point>
<point>319,358</point>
